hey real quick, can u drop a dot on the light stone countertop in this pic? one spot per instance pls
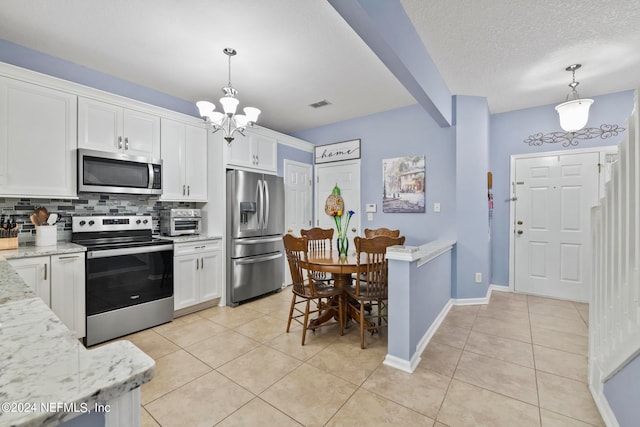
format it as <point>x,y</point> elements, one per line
<point>43,363</point>
<point>31,250</point>
<point>422,254</point>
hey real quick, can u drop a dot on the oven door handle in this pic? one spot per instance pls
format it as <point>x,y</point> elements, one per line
<point>128,251</point>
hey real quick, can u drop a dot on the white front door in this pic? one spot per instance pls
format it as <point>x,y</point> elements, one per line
<point>552,224</point>
<point>346,175</point>
<point>297,199</point>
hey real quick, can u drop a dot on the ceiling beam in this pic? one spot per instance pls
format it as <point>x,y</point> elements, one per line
<point>385,27</point>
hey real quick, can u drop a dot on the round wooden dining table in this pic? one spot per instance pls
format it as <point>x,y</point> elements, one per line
<point>341,269</point>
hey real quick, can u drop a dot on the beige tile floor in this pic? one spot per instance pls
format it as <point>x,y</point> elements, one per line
<point>518,361</point>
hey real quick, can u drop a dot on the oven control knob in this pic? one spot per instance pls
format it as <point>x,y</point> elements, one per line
<point>83,222</point>
<point>138,221</point>
<point>91,222</point>
<point>145,221</point>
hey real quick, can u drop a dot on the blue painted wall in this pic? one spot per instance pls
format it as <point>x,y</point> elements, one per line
<point>292,153</point>
<point>472,211</point>
<point>623,394</point>
<point>405,131</point>
<point>33,60</point>
<point>507,133</point>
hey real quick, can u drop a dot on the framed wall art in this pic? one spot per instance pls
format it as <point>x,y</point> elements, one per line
<point>403,187</point>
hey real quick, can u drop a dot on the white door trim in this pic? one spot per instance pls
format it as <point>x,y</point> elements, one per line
<point>512,180</point>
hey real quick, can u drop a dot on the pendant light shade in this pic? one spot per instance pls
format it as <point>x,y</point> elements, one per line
<point>575,113</point>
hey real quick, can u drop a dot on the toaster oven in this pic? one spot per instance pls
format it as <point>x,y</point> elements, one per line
<point>180,221</point>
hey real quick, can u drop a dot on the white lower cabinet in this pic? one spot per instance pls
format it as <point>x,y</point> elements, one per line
<point>197,272</point>
<point>36,272</point>
<point>60,281</point>
<point>68,291</point>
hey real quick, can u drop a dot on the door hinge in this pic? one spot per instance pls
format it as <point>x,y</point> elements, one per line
<point>317,179</point>
<point>599,167</point>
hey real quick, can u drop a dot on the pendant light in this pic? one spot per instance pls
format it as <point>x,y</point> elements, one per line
<point>574,113</point>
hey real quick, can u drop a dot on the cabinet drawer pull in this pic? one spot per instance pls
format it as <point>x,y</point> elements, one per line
<point>69,257</point>
<point>134,297</point>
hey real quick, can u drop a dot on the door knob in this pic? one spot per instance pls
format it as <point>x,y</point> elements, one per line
<point>519,231</point>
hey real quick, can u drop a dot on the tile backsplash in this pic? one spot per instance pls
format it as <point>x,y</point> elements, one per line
<point>88,204</point>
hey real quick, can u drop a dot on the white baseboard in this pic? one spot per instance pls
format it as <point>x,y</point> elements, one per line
<point>410,365</point>
<point>602,403</point>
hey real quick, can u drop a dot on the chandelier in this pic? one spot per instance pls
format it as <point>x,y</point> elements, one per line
<point>229,121</point>
<point>575,113</point>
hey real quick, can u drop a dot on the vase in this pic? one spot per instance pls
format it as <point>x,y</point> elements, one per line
<point>343,246</point>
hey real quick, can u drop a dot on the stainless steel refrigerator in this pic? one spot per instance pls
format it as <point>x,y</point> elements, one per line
<point>255,224</point>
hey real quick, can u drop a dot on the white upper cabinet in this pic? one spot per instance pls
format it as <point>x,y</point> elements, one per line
<point>254,151</point>
<point>37,140</point>
<point>108,127</point>
<point>184,161</point>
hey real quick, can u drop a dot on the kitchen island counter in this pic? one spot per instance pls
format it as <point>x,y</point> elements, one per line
<point>47,376</point>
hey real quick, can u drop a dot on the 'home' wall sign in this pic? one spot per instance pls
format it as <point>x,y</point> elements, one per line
<point>346,150</point>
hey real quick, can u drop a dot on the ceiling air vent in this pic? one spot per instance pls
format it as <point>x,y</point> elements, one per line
<point>320,104</point>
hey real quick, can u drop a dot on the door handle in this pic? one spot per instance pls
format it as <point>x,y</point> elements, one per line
<point>519,231</point>
<point>126,143</point>
<point>120,142</point>
<point>265,215</point>
<point>201,263</point>
<point>45,271</point>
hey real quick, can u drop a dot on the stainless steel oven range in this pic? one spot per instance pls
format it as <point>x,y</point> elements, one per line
<point>129,275</point>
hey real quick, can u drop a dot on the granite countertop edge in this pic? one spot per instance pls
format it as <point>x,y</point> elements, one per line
<point>47,363</point>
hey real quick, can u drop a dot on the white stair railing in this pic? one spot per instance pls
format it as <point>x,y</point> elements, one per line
<point>614,311</point>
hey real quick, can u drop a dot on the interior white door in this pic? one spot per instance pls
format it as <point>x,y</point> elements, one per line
<point>297,183</point>
<point>297,199</point>
<point>552,224</point>
<point>347,176</point>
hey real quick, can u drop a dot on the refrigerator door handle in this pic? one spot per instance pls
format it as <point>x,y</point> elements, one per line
<point>253,260</point>
<point>260,197</point>
<point>260,240</point>
<point>265,215</point>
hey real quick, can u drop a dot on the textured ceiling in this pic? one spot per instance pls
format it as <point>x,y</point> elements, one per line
<point>515,52</point>
<point>292,53</point>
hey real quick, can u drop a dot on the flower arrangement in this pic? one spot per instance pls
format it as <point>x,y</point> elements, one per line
<point>343,242</point>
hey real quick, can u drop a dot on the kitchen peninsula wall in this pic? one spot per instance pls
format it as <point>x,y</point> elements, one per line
<point>88,204</point>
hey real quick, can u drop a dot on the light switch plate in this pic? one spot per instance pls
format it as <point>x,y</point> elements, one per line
<point>436,207</point>
<point>370,207</point>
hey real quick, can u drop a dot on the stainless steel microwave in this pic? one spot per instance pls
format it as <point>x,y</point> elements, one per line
<point>103,172</point>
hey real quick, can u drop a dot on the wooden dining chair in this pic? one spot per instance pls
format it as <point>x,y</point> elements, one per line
<point>382,231</point>
<point>319,240</point>
<point>323,295</point>
<point>371,281</point>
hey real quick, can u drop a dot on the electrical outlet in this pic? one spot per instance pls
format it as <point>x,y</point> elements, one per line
<point>478,277</point>
<point>369,216</point>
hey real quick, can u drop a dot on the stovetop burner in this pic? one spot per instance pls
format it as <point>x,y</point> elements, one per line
<point>113,231</point>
